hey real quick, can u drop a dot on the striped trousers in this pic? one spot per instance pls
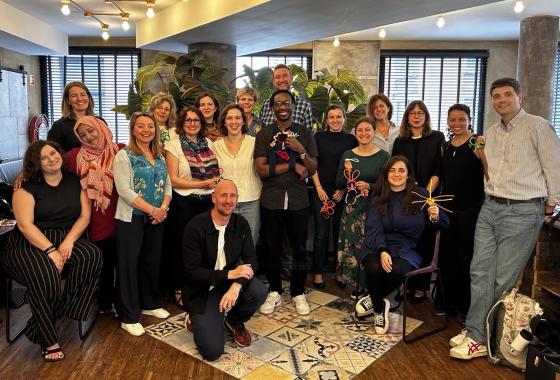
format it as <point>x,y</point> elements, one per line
<point>48,299</point>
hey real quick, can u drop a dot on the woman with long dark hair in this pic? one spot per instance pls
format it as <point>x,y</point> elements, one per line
<point>210,108</point>
<point>52,213</point>
<point>462,175</point>
<point>422,146</point>
<point>393,226</point>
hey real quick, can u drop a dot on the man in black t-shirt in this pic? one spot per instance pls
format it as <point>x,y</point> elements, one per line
<point>285,155</point>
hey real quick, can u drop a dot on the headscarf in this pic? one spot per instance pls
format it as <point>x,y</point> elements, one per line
<point>94,163</point>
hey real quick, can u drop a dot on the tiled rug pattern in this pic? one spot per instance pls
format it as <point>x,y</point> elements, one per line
<point>329,343</point>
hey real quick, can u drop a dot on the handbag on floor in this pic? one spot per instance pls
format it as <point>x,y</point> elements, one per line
<point>542,363</point>
<point>508,330</point>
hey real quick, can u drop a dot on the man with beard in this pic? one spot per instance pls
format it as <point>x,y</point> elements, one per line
<point>284,157</point>
<point>301,108</point>
<point>219,258</point>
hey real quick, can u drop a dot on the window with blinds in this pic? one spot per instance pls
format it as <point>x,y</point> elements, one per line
<point>106,73</point>
<point>556,101</point>
<point>440,79</point>
<point>257,61</point>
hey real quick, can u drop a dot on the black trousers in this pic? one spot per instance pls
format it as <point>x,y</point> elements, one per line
<point>47,298</point>
<point>106,296</point>
<point>208,327</point>
<point>138,262</point>
<point>181,210</point>
<point>321,238</point>
<point>457,245</point>
<point>380,283</point>
<point>274,224</point>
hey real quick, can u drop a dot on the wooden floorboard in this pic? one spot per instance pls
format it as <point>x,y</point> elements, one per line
<point>110,353</point>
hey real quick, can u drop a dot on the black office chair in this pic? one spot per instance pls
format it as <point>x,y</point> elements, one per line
<point>431,268</point>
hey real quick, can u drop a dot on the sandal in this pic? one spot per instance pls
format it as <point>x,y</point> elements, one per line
<point>178,299</point>
<point>46,351</point>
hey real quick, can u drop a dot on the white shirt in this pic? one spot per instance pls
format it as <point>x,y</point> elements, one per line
<point>221,256</point>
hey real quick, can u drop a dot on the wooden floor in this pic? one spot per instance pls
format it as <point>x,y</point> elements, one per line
<point>110,353</point>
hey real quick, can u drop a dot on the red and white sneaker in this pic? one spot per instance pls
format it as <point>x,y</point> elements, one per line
<point>457,339</point>
<point>468,349</point>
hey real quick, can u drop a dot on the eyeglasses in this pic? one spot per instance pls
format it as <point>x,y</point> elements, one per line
<point>192,121</point>
<point>419,114</point>
<point>287,103</point>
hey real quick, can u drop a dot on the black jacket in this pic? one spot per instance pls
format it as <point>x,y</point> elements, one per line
<point>200,249</point>
<point>425,158</point>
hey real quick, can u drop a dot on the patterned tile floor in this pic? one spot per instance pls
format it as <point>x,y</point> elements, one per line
<point>329,343</point>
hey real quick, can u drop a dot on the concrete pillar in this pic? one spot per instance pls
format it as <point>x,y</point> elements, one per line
<point>362,57</point>
<point>221,55</point>
<point>538,41</point>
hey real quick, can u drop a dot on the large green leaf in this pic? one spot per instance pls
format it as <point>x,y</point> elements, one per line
<point>164,58</point>
<point>134,102</point>
<point>319,103</point>
<point>352,117</point>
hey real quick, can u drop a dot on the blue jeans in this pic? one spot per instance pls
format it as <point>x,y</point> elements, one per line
<point>252,212</point>
<point>504,239</point>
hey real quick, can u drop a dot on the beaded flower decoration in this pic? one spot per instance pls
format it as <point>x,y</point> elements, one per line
<point>352,192</point>
<point>279,144</point>
<point>430,201</point>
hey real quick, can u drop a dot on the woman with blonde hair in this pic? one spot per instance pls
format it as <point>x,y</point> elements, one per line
<point>163,107</point>
<point>76,102</point>
<point>144,195</point>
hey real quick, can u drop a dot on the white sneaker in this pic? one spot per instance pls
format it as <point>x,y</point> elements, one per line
<point>457,339</point>
<point>302,307</point>
<point>468,349</point>
<point>135,329</point>
<point>382,319</point>
<point>158,313</point>
<point>364,307</point>
<point>273,299</point>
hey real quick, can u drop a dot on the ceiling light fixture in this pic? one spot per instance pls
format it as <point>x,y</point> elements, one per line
<point>440,21</point>
<point>125,24</point>
<point>519,6</point>
<point>336,42</point>
<point>65,9</point>
<point>150,12</point>
<point>382,32</point>
<point>105,31</point>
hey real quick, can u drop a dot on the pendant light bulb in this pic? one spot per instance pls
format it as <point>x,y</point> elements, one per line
<point>65,9</point>
<point>382,32</point>
<point>440,22</point>
<point>336,42</point>
<point>519,6</point>
<point>125,23</point>
<point>105,32</point>
<point>150,12</point>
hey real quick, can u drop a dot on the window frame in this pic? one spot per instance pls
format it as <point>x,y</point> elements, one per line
<point>47,97</point>
<point>442,54</point>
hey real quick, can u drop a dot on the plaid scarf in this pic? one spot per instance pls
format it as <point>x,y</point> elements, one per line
<point>202,160</point>
<point>94,163</point>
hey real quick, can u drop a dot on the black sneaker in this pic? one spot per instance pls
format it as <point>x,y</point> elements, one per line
<point>364,307</point>
<point>382,319</point>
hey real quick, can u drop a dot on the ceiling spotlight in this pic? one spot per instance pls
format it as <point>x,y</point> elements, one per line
<point>125,24</point>
<point>65,9</point>
<point>440,21</point>
<point>382,32</point>
<point>105,31</point>
<point>150,12</point>
<point>336,42</point>
<point>518,8</point>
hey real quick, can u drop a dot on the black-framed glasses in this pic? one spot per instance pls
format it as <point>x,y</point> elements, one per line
<point>191,121</point>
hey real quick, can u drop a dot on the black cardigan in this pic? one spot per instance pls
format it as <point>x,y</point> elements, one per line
<point>200,249</point>
<point>426,162</point>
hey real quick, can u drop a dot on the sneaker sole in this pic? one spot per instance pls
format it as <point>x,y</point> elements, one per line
<point>463,357</point>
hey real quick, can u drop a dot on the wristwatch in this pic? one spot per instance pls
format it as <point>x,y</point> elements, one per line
<point>302,156</point>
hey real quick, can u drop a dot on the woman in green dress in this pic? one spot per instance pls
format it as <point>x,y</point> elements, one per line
<point>357,173</point>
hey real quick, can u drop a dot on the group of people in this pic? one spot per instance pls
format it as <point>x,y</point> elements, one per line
<point>180,209</point>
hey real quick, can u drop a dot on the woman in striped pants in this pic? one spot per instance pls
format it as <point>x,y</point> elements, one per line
<point>52,212</point>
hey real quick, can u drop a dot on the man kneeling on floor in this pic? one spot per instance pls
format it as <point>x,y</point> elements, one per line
<point>220,261</point>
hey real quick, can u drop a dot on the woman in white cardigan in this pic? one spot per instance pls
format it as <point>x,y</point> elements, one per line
<point>144,189</point>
